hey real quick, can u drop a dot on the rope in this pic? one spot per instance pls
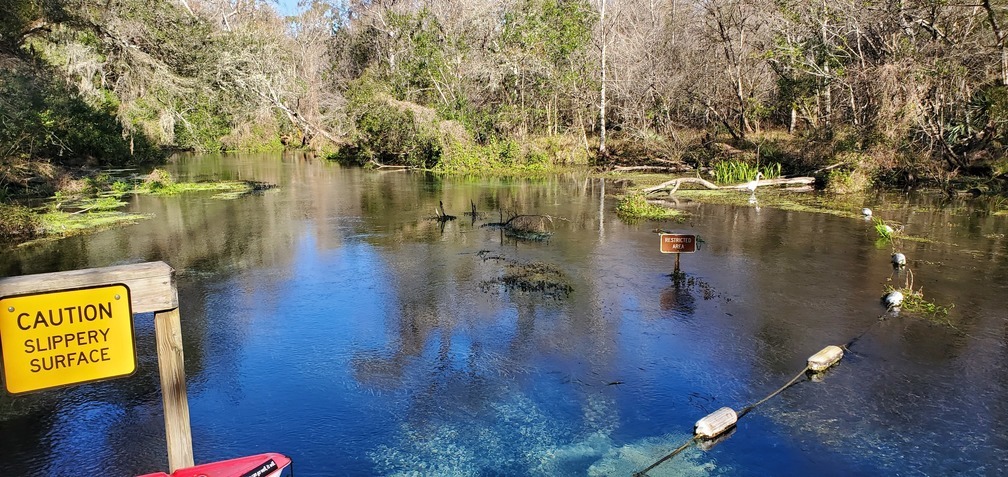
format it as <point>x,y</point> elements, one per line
<point>750,407</point>
<point>741,413</point>
<point>668,456</point>
<point>790,383</point>
<point>878,320</point>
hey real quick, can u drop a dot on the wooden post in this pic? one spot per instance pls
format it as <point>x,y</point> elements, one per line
<point>676,272</point>
<point>178,434</point>
<point>152,289</point>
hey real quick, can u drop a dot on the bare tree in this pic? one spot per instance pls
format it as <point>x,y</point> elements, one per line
<point>603,45</point>
<point>1000,38</point>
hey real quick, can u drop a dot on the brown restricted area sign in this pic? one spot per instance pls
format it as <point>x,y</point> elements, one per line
<point>678,243</point>
<point>66,337</point>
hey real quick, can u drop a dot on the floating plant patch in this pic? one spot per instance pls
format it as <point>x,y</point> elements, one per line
<point>529,277</point>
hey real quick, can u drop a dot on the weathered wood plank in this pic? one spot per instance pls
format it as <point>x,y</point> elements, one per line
<point>171,363</point>
<point>151,284</point>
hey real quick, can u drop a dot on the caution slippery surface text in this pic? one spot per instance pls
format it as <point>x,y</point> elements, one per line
<point>66,337</point>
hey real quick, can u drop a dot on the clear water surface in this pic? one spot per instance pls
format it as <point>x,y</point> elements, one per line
<point>332,320</point>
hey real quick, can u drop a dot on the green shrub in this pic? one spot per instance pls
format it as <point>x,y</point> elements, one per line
<point>159,181</point>
<point>121,187</point>
<point>18,222</point>
<point>847,181</point>
<point>393,135</point>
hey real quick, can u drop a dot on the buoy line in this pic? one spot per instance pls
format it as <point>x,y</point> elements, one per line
<point>718,422</point>
<point>790,383</point>
<point>667,456</point>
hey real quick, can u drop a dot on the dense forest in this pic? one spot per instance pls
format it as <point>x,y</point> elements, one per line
<point>896,91</point>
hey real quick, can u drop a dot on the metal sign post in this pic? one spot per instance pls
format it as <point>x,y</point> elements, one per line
<point>678,243</point>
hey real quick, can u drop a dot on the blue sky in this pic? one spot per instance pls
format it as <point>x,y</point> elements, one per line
<point>287,7</point>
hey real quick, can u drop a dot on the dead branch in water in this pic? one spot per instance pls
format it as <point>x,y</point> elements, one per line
<point>649,168</point>
<point>389,167</point>
<point>441,215</point>
<point>673,185</point>
<point>804,181</point>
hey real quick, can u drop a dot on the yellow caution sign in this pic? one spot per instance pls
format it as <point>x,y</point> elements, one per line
<point>66,337</point>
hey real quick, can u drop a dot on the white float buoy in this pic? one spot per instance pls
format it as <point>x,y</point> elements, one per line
<point>898,260</point>
<point>715,423</point>
<point>825,358</point>
<point>893,299</point>
<point>707,444</point>
<point>888,230</point>
<point>866,212</point>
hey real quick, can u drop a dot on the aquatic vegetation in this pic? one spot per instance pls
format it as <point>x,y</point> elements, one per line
<point>533,228</point>
<point>690,283</point>
<point>519,437</point>
<point>733,172</point>
<point>529,227</point>
<point>883,230</point>
<point>528,277</point>
<point>64,224</point>
<point>913,301</point>
<point>536,277</point>
<point>95,203</point>
<point>635,207</point>
<point>160,182</point>
<point>99,204</point>
<point>121,187</point>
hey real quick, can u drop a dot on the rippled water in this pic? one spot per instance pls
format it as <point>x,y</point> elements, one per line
<point>333,320</point>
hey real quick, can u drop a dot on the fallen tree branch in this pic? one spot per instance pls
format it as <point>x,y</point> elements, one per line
<point>774,182</point>
<point>677,182</point>
<point>647,168</point>
<point>673,185</point>
<point>833,166</point>
<point>387,166</point>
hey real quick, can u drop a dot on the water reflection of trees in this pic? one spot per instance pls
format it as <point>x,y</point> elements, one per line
<point>449,337</point>
<point>799,281</point>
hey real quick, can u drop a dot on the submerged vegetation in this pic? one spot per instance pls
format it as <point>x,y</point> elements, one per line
<point>537,277</point>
